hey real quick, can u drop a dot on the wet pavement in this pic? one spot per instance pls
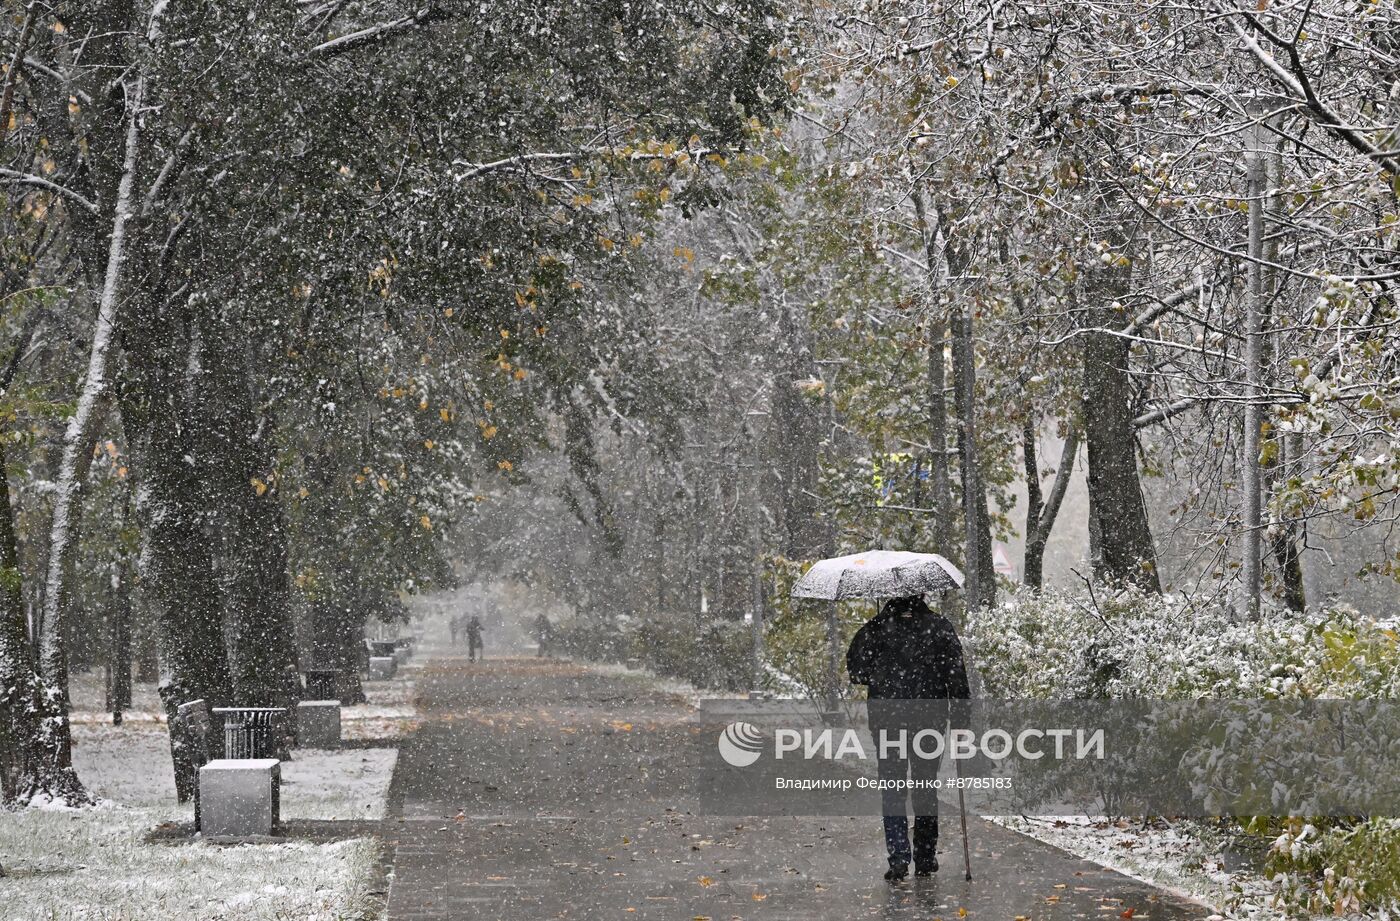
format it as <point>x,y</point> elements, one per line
<point>539,789</point>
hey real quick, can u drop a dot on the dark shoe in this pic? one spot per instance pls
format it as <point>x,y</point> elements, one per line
<point>897,872</point>
<point>927,867</point>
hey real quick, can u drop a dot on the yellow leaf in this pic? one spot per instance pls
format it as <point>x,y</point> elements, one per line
<point>428,444</point>
<point>448,312</point>
<point>759,896</point>
<point>444,414</point>
<point>706,882</point>
<point>259,486</point>
<point>426,523</point>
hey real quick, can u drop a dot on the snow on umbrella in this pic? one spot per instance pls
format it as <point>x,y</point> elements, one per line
<point>878,574</point>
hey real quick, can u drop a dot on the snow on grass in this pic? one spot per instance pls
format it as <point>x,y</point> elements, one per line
<point>1179,858</point>
<point>85,692</point>
<point>344,784</point>
<point>95,864</point>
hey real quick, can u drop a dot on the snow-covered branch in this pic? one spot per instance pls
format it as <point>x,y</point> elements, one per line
<point>12,177</point>
<point>377,33</point>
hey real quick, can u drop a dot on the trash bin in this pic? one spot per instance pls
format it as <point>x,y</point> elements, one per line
<point>251,732</point>
<point>322,684</point>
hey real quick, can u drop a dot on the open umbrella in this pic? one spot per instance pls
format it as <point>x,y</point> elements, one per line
<point>886,574</point>
<point>878,574</point>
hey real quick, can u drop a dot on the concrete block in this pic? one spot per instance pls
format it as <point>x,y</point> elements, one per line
<point>318,724</point>
<point>382,668</point>
<point>401,655</point>
<point>240,798</point>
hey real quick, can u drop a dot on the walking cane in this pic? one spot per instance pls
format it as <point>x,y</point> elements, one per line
<point>962,808</point>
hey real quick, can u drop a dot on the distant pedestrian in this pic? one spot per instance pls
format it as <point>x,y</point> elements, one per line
<point>544,634</point>
<point>909,653</point>
<point>454,624</point>
<point>474,648</point>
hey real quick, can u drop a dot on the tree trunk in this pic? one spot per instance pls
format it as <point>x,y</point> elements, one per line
<point>338,632</point>
<point>937,383</point>
<point>54,775</point>
<point>1042,514</point>
<point>1121,541</point>
<point>177,573</point>
<point>19,686</point>
<point>797,423</point>
<point>979,569</point>
<point>242,486</point>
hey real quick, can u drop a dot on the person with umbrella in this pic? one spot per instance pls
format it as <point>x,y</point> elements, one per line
<point>911,661</point>
<point>908,653</point>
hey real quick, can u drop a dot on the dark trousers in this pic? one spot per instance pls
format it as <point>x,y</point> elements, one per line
<point>894,803</point>
<point>474,648</point>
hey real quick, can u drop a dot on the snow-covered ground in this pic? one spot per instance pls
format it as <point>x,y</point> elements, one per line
<point>93,864</point>
<point>1178,858</point>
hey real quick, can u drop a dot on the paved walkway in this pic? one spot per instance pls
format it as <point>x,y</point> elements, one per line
<point>545,790</point>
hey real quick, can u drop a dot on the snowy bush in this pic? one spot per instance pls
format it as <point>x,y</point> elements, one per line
<point>1126,644</point>
<point>713,654</point>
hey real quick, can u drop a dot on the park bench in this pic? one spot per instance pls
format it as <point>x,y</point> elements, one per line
<point>322,683</point>
<point>252,732</point>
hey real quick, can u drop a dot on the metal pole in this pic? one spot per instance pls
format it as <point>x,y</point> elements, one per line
<point>833,665</point>
<point>1254,361</point>
<point>962,810</point>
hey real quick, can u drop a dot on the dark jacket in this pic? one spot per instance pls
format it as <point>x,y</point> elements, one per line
<point>907,652</point>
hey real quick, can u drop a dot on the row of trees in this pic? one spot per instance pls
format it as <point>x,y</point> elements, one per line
<point>308,285</point>
<point>302,278</point>
<point>1159,241</point>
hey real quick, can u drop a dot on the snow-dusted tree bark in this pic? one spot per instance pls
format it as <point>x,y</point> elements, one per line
<point>19,707</point>
<point>1042,511</point>
<point>176,564</point>
<point>1121,542</point>
<point>797,422</point>
<point>54,775</point>
<point>937,379</point>
<point>237,458</point>
<point>979,569</point>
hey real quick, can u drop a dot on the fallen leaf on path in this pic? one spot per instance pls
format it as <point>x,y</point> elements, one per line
<point>706,882</point>
<point>759,896</point>
<point>1128,913</point>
